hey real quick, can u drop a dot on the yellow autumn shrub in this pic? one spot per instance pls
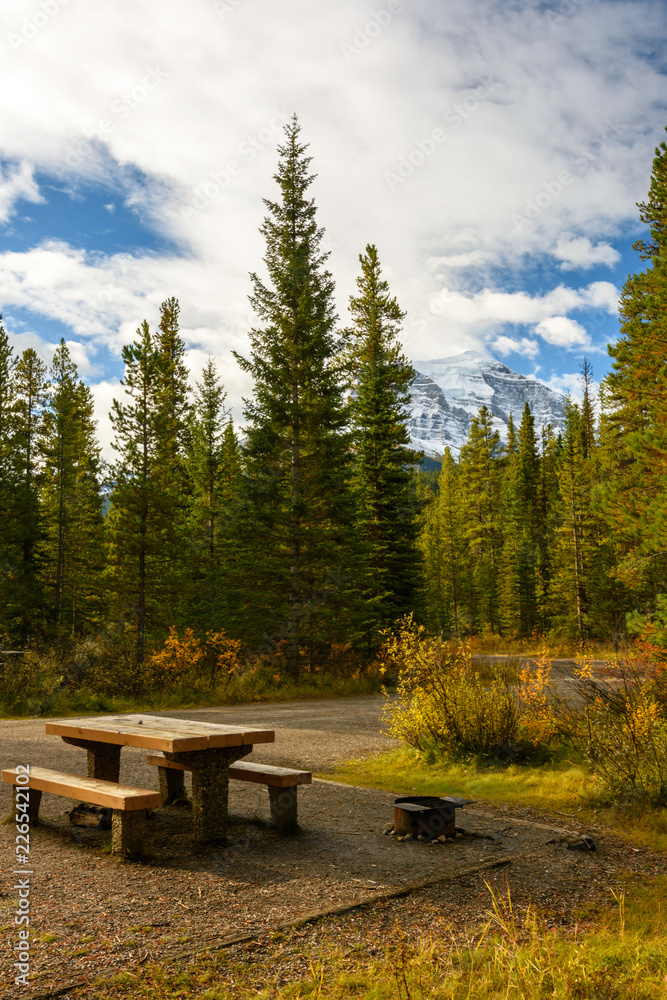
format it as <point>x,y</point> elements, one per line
<point>620,726</point>
<point>442,703</point>
<point>186,660</point>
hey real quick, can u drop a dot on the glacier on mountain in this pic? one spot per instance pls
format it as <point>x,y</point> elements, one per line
<point>449,392</point>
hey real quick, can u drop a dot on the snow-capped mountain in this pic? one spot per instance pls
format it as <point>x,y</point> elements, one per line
<point>449,392</point>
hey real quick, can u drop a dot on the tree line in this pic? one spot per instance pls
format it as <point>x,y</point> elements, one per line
<point>302,536</point>
<point>313,528</point>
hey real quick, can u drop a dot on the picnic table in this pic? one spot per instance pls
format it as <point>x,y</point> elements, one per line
<point>207,749</point>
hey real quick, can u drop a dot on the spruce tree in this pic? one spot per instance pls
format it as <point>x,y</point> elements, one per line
<point>635,401</point>
<point>297,450</point>
<point>213,469</point>
<point>530,523</point>
<point>547,506</point>
<point>9,554</point>
<point>135,493</point>
<point>71,503</point>
<point>444,554</point>
<point>30,387</point>
<point>384,479</point>
<point>575,551</point>
<point>172,488</point>
<point>480,466</point>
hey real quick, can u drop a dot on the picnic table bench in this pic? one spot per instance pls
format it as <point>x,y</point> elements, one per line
<point>282,784</point>
<point>128,804</point>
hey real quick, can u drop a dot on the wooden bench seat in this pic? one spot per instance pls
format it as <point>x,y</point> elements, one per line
<point>282,783</point>
<point>128,804</point>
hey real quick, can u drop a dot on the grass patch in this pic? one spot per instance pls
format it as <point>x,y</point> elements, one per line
<point>565,786</point>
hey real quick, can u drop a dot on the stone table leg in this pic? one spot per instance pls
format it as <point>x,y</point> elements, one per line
<point>172,785</point>
<point>210,789</point>
<point>127,831</point>
<point>103,758</point>
<point>283,808</point>
<point>34,800</point>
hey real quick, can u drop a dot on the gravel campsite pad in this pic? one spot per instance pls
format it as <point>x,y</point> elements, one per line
<point>92,913</point>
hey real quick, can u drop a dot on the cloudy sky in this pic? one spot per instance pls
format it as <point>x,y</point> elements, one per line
<point>493,150</point>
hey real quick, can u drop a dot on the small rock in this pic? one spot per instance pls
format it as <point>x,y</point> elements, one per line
<point>388,828</point>
<point>442,839</point>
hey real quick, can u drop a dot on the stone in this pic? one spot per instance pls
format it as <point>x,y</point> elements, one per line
<point>210,789</point>
<point>283,804</point>
<point>127,832</point>
<point>103,758</point>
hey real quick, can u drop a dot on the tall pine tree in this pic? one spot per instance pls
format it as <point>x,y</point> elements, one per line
<point>214,471</point>
<point>135,492</point>
<point>9,554</point>
<point>635,401</point>
<point>297,449</point>
<point>446,575</point>
<point>71,503</point>
<point>480,468</point>
<point>30,387</point>
<point>384,479</point>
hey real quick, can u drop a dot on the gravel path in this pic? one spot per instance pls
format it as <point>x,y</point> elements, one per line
<point>93,913</point>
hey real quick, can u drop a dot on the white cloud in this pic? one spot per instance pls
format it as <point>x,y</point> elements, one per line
<point>104,393</point>
<point>602,295</point>
<point>581,254</point>
<point>571,383</point>
<point>17,182</point>
<point>510,345</point>
<point>471,318</point>
<point>187,107</point>
<point>80,353</point>
<point>562,332</point>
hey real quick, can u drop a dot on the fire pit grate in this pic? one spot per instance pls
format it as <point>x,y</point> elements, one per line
<point>427,817</point>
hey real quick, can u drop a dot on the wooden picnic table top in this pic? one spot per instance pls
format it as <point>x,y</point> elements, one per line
<point>154,733</point>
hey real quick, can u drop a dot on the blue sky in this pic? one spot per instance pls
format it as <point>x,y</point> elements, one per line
<point>493,152</point>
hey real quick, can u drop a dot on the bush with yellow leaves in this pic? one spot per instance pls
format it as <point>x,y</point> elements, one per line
<point>444,704</point>
<point>187,661</point>
<point>621,728</point>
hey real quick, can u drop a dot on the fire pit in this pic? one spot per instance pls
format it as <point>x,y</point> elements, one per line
<point>427,816</point>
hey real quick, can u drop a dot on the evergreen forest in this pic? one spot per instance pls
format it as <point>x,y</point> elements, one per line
<point>307,531</point>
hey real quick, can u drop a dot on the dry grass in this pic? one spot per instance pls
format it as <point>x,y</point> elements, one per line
<point>619,951</point>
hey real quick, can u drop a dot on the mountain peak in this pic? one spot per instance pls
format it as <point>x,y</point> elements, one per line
<point>449,392</point>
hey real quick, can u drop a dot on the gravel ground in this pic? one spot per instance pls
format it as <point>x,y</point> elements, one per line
<point>92,913</point>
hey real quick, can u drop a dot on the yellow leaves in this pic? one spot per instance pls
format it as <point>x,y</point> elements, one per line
<point>538,720</point>
<point>443,703</point>
<point>184,658</point>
